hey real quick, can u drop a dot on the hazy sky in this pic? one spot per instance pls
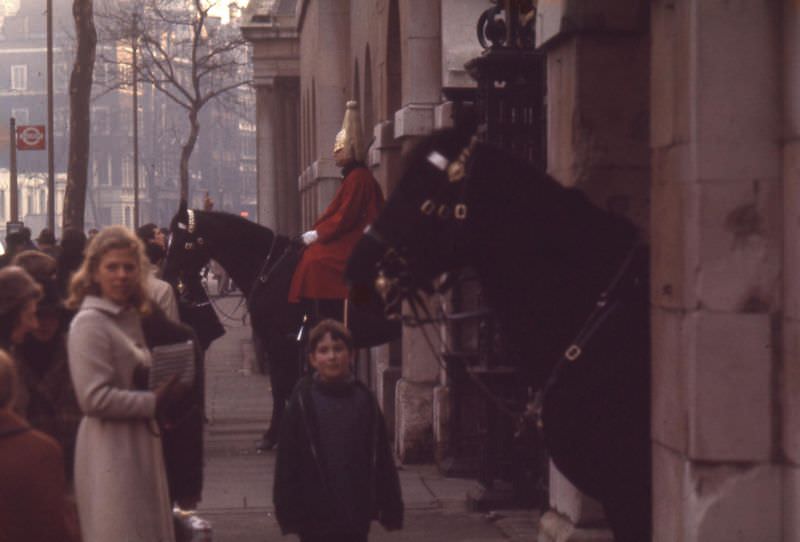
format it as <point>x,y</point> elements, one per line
<point>220,7</point>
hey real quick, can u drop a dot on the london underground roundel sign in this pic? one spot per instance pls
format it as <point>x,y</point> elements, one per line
<point>30,137</point>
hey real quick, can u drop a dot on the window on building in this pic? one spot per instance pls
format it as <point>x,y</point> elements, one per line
<point>101,121</point>
<point>127,172</point>
<point>42,201</point>
<point>2,204</point>
<point>61,76</point>
<point>101,74</point>
<point>109,171</point>
<point>104,216</point>
<point>29,204</point>
<point>128,217</point>
<point>60,121</point>
<point>21,115</point>
<point>19,77</point>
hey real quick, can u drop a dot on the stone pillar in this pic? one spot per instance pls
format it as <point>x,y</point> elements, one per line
<point>414,405</point>
<point>790,393</point>
<point>597,88</point>
<point>422,81</point>
<point>325,48</point>
<point>276,79</point>
<point>277,154</point>
<point>717,290</point>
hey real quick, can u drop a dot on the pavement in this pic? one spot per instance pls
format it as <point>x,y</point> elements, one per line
<point>237,496</point>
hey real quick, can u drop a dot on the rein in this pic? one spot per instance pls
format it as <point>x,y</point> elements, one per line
<point>416,304</point>
<point>607,303</point>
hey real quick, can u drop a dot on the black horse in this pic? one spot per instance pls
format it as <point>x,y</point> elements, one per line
<point>261,264</point>
<point>569,285</point>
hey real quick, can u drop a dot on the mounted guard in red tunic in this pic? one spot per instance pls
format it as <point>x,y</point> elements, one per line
<point>320,272</point>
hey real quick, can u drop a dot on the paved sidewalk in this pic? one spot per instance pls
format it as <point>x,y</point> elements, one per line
<point>237,495</point>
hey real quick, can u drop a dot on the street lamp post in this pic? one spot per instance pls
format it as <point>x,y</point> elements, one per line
<point>135,44</point>
<point>51,183</point>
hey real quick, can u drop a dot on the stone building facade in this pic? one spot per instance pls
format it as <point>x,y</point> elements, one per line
<point>681,114</point>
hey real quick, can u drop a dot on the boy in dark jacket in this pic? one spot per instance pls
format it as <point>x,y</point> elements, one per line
<point>334,471</point>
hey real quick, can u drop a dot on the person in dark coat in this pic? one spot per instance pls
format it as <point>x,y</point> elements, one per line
<point>19,297</point>
<point>15,242</point>
<point>182,430</point>
<point>334,471</point>
<point>70,258</point>
<point>46,242</point>
<point>33,495</point>
<point>43,368</point>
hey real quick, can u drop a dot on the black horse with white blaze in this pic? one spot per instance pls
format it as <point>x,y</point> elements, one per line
<point>569,285</point>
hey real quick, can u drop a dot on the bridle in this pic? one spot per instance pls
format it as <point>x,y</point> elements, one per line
<point>192,244</point>
<point>447,206</point>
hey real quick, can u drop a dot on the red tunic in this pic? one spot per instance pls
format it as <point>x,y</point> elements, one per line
<point>320,272</point>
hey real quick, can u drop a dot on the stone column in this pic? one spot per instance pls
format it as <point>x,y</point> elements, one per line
<point>597,88</point>
<point>326,53</point>
<point>277,154</point>
<point>276,78</point>
<point>422,81</point>
<point>717,289</point>
<point>790,392</point>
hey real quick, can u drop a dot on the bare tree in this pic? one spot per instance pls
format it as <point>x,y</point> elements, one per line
<point>80,92</point>
<point>183,52</point>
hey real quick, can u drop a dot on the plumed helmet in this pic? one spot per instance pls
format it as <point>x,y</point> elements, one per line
<point>351,136</point>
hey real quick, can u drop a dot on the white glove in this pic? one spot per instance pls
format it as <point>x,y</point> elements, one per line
<point>309,237</point>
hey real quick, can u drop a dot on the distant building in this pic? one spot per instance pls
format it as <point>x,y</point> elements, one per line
<point>223,162</point>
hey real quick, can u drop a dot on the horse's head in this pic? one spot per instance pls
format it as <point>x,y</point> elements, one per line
<point>186,250</point>
<point>421,232</point>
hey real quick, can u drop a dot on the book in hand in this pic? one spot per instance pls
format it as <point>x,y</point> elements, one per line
<point>172,359</point>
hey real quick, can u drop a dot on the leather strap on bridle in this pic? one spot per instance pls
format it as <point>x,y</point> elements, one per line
<point>607,303</point>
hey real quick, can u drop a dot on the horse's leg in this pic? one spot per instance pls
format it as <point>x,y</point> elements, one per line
<point>283,376</point>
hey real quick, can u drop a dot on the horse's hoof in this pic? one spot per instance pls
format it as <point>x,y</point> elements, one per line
<point>265,444</point>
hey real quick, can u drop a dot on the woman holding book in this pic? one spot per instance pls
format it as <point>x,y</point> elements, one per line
<point>120,480</point>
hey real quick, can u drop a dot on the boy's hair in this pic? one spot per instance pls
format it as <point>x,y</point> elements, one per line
<point>337,330</point>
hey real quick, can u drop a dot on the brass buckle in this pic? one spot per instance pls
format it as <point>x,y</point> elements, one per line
<point>444,211</point>
<point>427,207</point>
<point>573,352</point>
<point>460,211</point>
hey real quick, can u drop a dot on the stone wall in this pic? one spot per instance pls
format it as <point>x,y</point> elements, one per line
<point>722,322</point>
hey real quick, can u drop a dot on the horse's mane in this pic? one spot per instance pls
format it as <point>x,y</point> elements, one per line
<point>237,243</point>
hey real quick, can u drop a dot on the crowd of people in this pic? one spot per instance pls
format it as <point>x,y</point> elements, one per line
<point>86,447</point>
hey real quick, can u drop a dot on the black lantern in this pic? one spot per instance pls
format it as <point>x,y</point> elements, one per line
<point>511,80</point>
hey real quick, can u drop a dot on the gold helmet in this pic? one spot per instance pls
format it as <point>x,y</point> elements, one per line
<point>351,137</point>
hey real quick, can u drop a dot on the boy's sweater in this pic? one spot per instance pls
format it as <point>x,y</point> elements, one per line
<point>334,471</point>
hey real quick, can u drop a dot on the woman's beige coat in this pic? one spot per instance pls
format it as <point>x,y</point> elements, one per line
<point>120,481</point>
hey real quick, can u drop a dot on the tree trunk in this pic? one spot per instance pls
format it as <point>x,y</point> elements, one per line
<point>80,93</point>
<point>186,153</point>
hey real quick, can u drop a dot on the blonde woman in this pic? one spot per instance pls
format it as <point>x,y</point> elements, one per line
<point>120,480</point>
